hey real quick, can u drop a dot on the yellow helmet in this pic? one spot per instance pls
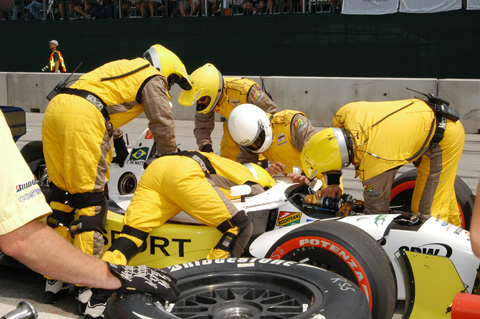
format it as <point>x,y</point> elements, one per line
<point>206,81</point>
<point>261,175</point>
<point>327,150</point>
<point>169,64</point>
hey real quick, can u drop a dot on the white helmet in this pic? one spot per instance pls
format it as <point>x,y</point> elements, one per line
<point>250,127</point>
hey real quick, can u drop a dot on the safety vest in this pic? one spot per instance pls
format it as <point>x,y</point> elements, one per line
<point>282,149</point>
<point>62,67</point>
<point>235,93</point>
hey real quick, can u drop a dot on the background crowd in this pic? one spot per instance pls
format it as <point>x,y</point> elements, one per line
<point>108,9</point>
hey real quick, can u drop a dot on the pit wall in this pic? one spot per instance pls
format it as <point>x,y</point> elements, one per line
<point>317,97</point>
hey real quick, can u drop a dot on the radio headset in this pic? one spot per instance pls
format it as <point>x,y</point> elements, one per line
<point>440,106</point>
<point>61,85</point>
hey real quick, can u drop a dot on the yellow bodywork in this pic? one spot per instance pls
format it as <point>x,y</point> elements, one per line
<point>168,244</point>
<point>431,287</point>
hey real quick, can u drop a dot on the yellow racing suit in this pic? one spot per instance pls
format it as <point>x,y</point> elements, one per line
<point>177,182</point>
<point>291,130</point>
<point>387,135</point>
<point>77,140</point>
<point>236,91</point>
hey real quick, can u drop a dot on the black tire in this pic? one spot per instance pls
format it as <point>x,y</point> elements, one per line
<point>402,192</point>
<point>250,288</point>
<point>348,251</point>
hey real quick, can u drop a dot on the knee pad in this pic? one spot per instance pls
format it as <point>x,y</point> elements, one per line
<point>126,246</point>
<point>90,223</point>
<point>240,220</point>
<point>59,218</point>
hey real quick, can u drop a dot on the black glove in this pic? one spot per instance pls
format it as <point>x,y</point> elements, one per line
<point>120,151</point>
<point>207,148</point>
<point>143,279</point>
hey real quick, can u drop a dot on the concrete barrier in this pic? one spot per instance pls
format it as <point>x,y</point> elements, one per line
<point>318,97</point>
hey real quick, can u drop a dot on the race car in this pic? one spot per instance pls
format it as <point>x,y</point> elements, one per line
<point>331,234</point>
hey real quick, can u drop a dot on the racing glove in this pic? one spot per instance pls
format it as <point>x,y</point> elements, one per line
<point>120,151</point>
<point>207,148</point>
<point>134,279</point>
<point>143,279</point>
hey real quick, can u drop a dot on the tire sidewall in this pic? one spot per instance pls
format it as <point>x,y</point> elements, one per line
<point>351,248</point>
<point>334,288</point>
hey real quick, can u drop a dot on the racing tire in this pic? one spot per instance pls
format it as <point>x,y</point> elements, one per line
<point>249,288</point>
<point>402,192</point>
<point>348,251</point>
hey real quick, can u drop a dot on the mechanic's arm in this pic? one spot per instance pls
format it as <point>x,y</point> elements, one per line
<point>245,156</point>
<point>475,224</point>
<point>301,129</point>
<point>261,99</point>
<point>333,188</point>
<point>41,249</point>
<point>204,125</point>
<point>160,118</point>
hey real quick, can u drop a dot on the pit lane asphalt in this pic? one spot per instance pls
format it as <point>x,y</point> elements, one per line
<point>18,284</point>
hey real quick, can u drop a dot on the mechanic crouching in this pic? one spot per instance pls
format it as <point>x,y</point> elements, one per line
<point>78,133</point>
<point>378,138</point>
<point>197,183</point>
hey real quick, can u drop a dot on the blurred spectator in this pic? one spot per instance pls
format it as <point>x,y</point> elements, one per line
<point>189,6</point>
<point>6,9</point>
<point>107,9</point>
<point>154,6</point>
<point>214,8</point>
<point>172,8</point>
<point>253,6</point>
<point>34,8</point>
<point>130,7</point>
<point>83,7</point>
<point>62,9</point>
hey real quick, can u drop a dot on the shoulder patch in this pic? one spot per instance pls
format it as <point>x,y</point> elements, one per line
<point>299,124</point>
<point>256,95</point>
<point>164,86</point>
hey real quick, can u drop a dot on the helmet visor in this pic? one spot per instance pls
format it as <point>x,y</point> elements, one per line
<point>202,106</point>
<point>259,139</point>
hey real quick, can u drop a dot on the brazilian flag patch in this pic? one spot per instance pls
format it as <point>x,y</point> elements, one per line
<point>139,154</point>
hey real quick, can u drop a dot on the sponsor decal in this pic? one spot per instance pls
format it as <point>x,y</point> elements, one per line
<point>29,195</point>
<point>436,249</point>
<point>288,218</point>
<point>380,218</point>
<point>139,154</point>
<point>332,247</point>
<point>24,186</point>
<point>256,95</point>
<point>444,223</point>
<point>155,244</point>
<point>299,125</point>
<point>368,188</point>
<point>164,85</point>
<point>262,204</point>
<point>281,138</point>
<point>92,99</point>
<point>148,135</point>
<point>241,263</point>
<point>236,102</point>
